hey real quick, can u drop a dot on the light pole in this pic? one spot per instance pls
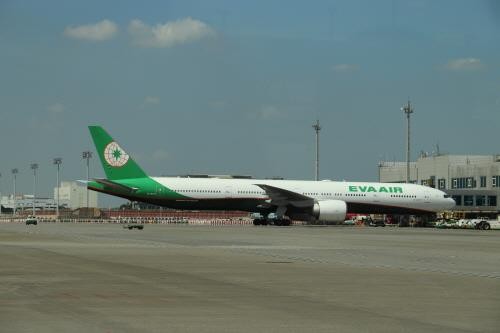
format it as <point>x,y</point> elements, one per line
<point>57,162</point>
<point>33,167</point>
<point>317,128</point>
<point>87,155</point>
<point>0,197</point>
<point>14,173</point>
<point>408,110</point>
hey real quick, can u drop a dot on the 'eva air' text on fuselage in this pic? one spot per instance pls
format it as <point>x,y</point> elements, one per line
<point>378,189</point>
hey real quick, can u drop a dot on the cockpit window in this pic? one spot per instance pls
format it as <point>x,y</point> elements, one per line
<point>447,196</point>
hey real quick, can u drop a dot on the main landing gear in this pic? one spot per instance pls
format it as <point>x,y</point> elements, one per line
<point>278,222</point>
<point>260,222</point>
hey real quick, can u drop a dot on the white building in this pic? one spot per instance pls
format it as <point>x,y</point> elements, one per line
<point>25,202</point>
<point>73,195</point>
<point>473,181</point>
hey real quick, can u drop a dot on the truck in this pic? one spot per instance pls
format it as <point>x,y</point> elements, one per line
<point>484,224</point>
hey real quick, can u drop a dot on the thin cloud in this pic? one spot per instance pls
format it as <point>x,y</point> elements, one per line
<point>56,108</point>
<point>96,32</point>
<point>342,68</point>
<point>218,104</point>
<point>169,34</point>
<point>160,155</point>
<point>149,102</point>
<point>464,64</point>
<point>266,112</point>
<point>52,120</point>
<point>152,100</point>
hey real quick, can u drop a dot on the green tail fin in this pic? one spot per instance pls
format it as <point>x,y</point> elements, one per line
<point>116,162</point>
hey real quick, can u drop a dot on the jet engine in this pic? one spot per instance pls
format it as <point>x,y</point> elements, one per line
<point>330,210</point>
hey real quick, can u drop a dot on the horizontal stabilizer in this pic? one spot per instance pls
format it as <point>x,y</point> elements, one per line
<point>115,186</point>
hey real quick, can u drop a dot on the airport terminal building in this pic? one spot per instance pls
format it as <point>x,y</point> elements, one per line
<point>472,180</point>
<point>72,195</point>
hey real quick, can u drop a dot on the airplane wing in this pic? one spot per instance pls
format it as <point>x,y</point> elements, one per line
<point>282,197</point>
<point>115,185</point>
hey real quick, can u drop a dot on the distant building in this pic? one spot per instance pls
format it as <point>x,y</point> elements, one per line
<point>472,180</point>
<point>25,202</point>
<point>73,195</point>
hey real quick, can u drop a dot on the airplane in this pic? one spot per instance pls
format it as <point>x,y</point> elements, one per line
<point>270,199</point>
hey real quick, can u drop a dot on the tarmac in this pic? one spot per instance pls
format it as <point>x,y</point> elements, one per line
<point>76,277</point>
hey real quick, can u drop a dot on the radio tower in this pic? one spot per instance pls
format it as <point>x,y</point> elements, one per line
<point>317,128</point>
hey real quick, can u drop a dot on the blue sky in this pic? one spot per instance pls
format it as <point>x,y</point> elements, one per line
<point>234,87</point>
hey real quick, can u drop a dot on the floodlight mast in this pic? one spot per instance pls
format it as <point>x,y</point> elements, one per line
<point>0,197</point>
<point>57,161</point>
<point>317,128</point>
<point>34,167</point>
<point>408,110</point>
<point>14,173</point>
<point>87,155</point>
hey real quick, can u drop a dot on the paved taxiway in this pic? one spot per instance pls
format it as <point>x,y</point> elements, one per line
<point>102,278</point>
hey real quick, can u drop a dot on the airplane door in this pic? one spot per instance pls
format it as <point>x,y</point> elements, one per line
<point>228,191</point>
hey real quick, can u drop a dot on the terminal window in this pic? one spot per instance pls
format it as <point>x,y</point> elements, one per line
<point>458,199</point>
<point>480,200</point>
<point>464,182</point>
<point>483,181</point>
<point>492,200</point>
<point>468,200</point>
<point>495,181</point>
<point>442,183</point>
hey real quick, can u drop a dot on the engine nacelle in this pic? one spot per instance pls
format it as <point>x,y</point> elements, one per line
<point>330,210</point>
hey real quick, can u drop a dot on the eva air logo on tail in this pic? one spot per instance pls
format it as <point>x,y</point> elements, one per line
<point>115,155</point>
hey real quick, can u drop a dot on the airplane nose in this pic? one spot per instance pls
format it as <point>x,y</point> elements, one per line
<point>451,203</point>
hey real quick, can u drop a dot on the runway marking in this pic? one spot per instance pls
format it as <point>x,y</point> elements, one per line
<point>279,262</point>
<point>489,275</point>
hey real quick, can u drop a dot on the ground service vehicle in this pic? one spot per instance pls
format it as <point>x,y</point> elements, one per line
<point>133,226</point>
<point>376,223</point>
<point>31,220</point>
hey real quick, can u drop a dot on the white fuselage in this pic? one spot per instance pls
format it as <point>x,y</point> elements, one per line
<point>355,194</point>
